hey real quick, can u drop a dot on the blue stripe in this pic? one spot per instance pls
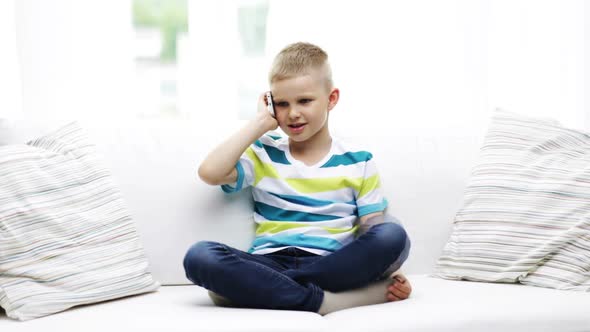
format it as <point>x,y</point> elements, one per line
<point>276,155</point>
<point>274,137</point>
<point>348,158</point>
<point>295,240</point>
<point>258,143</point>
<point>272,213</point>
<point>303,200</point>
<point>377,207</point>
<point>239,182</point>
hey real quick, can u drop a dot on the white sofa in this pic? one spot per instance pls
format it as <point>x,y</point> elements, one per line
<point>423,172</point>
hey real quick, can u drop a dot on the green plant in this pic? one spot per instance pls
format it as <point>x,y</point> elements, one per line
<point>169,16</point>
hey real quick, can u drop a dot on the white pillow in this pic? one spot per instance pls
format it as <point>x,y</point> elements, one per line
<point>526,211</point>
<point>66,237</point>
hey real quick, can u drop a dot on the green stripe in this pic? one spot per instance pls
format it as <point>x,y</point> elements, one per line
<point>274,227</point>
<point>369,185</point>
<point>326,184</point>
<point>261,169</point>
<point>360,185</point>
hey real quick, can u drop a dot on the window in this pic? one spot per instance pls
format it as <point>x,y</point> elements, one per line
<point>252,18</point>
<point>159,27</point>
<point>174,77</point>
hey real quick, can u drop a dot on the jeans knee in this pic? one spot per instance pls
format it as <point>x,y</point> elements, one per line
<point>391,238</point>
<point>198,257</point>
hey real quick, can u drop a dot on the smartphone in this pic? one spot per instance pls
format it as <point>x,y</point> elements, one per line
<point>269,103</point>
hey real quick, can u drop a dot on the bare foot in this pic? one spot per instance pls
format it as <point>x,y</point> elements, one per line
<point>399,289</point>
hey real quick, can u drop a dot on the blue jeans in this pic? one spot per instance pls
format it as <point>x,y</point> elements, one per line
<point>293,279</point>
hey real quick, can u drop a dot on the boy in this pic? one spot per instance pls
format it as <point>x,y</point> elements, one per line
<point>309,192</point>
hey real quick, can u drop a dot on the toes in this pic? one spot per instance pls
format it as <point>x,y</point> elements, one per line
<point>392,298</point>
<point>399,291</point>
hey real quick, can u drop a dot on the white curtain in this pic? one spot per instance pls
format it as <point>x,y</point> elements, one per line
<point>10,79</point>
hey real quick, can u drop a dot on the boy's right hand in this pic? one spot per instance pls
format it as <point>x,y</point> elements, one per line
<point>263,116</point>
<point>219,166</point>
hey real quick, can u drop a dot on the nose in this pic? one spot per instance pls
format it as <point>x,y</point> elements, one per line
<point>294,113</point>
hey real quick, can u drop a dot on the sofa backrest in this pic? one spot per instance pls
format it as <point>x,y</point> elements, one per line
<point>423,173</point>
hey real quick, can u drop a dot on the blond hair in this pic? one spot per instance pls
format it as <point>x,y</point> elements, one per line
<point>297,59</point>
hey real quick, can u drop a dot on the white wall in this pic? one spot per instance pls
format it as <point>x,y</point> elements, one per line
<point>76,58</point>
<point>586,64</point>
<point>10,82</point>
<point>536,58</point>
<point>444,64</point>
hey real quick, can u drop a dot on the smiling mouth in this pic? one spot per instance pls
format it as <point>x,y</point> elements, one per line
<point>297,125</point>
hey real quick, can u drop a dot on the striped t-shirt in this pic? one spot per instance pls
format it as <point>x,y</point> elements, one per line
<point>313,208</point>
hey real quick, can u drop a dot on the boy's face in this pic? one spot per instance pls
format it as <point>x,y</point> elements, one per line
<point>302,104</point>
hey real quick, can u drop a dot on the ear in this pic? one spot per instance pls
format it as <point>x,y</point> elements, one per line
<point>333,98</point>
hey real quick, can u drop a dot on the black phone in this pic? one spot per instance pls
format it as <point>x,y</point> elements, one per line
<point>270,104</point>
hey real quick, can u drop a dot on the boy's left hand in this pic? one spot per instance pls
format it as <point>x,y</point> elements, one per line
<point>399,289</point>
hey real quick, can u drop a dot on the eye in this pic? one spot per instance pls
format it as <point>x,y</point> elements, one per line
<point>282,104</point>
<point>305,101</point>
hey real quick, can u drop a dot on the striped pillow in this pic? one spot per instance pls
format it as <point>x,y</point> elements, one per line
<point>66,238</point>
<point>526,211</point>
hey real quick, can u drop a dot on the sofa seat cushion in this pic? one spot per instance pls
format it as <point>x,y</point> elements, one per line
<point>171,308</point>
<point>435,305</point>
<point>445,305</point>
